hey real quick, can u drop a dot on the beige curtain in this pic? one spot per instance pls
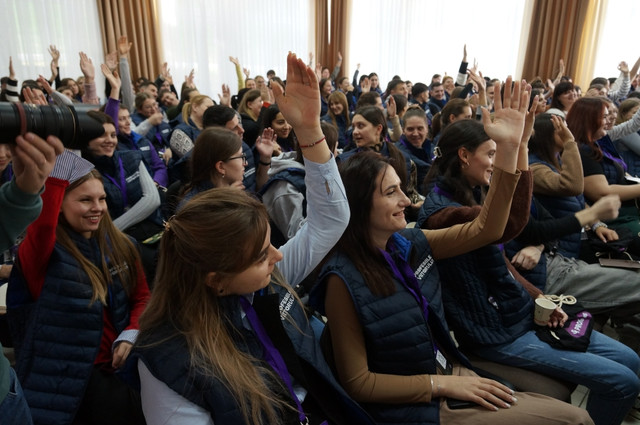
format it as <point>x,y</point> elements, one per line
<point>556,32</point>
<point>138,20</point>
<point>586,60</point>
<point>330,41</point>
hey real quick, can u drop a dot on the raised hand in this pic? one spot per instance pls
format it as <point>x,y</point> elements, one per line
<point>339,57</point>
<point>225,98</point>
<point>365,85</point>
<point>510,111</point>
<point>267,144</point>
<point>12,72</point>
<point>87,68</point>
<point>188,79</point>
<point>124,46</point>
<point>391,107</point>
<point>561,133</point>
<point>530,118</point>
<point>300,105</point>
<point>234,61</point>
<point>477,78</point>
<point>246,72</point>
<point>33,159</point>
<point>111,60</point>
<point>623,67</point>
<point>33,97</point>
<point>46,86</point>
<point>55,53</point>
<point>113,78</point>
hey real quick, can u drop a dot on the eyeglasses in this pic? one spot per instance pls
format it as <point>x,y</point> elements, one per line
<point>243,157</point>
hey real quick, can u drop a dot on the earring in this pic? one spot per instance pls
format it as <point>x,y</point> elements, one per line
<point>222,175</point>
<point>465,164</point>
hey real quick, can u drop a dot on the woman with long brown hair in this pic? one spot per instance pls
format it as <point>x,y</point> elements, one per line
<point>225,318</point>
<point>75,304</point>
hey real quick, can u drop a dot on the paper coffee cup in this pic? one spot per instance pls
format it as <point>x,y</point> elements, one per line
<point>542,313</point>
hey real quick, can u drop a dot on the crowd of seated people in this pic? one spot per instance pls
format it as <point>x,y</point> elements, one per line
<point>238,260</point>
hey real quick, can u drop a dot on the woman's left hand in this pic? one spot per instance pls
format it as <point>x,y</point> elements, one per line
<point>120,354</point>
<point>300,104</point>
<point>510,112</point>
<point>606,235</point>
<point>558,318</point>
<point>266,144</point>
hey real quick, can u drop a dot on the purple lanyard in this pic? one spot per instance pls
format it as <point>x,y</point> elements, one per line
<point>408,279</point>
<point>273,356</point>
<point>614,159</point>
<point>123,184</point>
<point>442,192</point>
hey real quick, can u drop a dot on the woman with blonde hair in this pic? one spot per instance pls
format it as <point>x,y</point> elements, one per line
<point>185,133</point>
<point>75,302</point>
<point>226,318</point>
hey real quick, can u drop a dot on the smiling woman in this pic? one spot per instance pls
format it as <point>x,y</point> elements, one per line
<point>75,259</point>
<point>241,347</point>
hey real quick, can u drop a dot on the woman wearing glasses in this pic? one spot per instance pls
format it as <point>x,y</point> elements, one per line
<point>218,161</point>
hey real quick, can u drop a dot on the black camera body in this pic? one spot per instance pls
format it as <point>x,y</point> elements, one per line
<point>70,124</point>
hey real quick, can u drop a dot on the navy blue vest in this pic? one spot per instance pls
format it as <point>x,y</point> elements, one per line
<point>115,199</point>
<point>485,305</point>
<point>57,337</point>
<point>210,393</point>
<point>398,340</point>
<point>158,134</point>
<point>421,157</point>
<point>560,206</point>
<point>135,142</point>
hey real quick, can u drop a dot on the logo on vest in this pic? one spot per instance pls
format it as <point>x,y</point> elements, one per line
<point>424,267</point>
<point>133,177</point>
<point>285,305</point>
<point>113,270</point>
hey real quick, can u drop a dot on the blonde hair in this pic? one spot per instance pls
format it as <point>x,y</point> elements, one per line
<point>197,100</point>
<point>113,244</point>
<point>249,96</point>
<point>223,231</point>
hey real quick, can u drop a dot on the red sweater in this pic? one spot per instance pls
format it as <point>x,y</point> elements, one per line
<point>35,252</point>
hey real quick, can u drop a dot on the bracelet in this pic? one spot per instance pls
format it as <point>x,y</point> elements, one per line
<point>598,224</point>
<point>438,387</point>
<point>265,163</point>
<point>313,144</point>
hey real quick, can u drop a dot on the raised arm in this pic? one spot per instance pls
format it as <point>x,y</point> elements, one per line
<point>239,75</point>
<point>128,96</point>
<point>327,206</point>
<point>570,180</point>
<point>146,205</point>
<point>506,130</point>
<point>88,70</point>
<point>300,105</point>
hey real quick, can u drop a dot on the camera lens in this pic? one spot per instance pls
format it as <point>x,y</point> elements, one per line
<point>70,124</point>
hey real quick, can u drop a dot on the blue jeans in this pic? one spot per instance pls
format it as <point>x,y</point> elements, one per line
<point>609,369</point>
<point>14,409</point>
